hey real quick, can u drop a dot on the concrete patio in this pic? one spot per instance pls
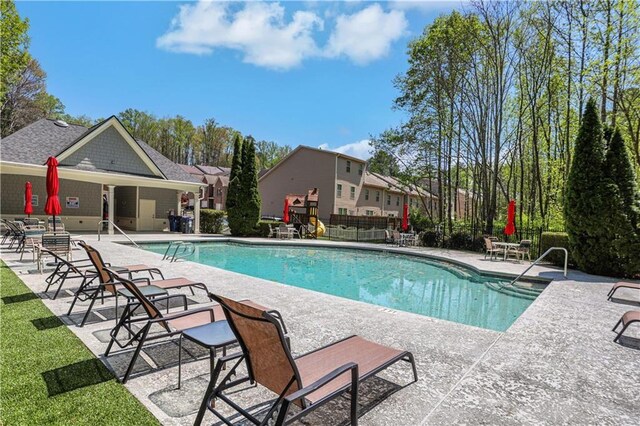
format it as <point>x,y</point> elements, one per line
<point>556,364</point>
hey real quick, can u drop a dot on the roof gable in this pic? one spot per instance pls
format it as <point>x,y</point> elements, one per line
<point>109,147</point>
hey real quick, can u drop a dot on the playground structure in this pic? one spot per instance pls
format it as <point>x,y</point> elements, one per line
<point>302,211</point>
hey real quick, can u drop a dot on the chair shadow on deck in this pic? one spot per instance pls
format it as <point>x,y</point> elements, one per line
<point>75,376</point>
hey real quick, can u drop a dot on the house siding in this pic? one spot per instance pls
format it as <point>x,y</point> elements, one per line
<point>301,171</point>
<point>12,187</point>
<point>108,151</point>
<point>165,200</point>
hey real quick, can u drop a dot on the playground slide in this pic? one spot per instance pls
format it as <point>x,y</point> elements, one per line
<point>312,226</point>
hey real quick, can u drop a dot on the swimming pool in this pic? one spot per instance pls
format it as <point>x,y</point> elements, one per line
<point>406,283</point>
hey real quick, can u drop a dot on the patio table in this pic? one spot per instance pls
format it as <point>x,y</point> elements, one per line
<point>506,247</point>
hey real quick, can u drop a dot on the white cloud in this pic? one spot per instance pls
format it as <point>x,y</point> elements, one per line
<point>361,149</point>
<point>258,30</point>
<point>366,35</point>
<point>265,37</point>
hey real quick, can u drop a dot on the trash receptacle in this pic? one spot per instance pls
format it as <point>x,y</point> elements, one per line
<point>173,223</point>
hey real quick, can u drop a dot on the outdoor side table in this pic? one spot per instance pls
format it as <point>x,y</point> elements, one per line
<point>212,336</point>
<point>150,291</point>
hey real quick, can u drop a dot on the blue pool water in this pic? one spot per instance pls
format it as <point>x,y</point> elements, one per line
<point>405,283</point>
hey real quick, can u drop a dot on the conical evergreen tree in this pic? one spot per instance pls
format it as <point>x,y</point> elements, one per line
<point>623,210</point>
<point>587,206</point>
<point>235,187</point>
<point>250,199</point>
<point>619,169</point>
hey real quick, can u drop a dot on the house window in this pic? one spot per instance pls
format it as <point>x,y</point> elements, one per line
<point>369,212</point>
<point>378,196</point>
<point>339,191</point>
<point>342,211</point>
<point>366,194</point>
<point>219,191</point>
<point>397,201</point>
<point>348,166</point>
<point>360,168</point>
<point>352,194</point>
<point>388,200</point>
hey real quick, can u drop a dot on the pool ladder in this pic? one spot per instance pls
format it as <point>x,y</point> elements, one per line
<point>181,250</point>
<point>514,289</point>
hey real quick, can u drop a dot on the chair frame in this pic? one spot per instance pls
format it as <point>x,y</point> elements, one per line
<point>153,317</point>
<point>624,326</point>
<point>67,270</point>
<point>105,282</point>
<point>283,400</point>
<point>622,284</point>
<point>490,250</point>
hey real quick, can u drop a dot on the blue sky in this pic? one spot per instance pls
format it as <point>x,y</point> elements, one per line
<point>314,73</point>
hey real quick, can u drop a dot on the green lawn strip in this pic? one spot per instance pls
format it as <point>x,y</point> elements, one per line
<point>47,375</point>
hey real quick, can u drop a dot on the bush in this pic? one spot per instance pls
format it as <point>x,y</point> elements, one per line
<point>429,238</point>
<point>460,241</point>
<point>262,230</point>
<point>555,239</point>
<point>211,221</point>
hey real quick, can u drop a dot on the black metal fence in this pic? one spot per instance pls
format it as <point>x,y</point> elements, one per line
<point>463,236</point>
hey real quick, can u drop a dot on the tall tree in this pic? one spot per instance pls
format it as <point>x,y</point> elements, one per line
<point>13,48</point>
<point>234,193</point>
<point>249,202</point>
<point>619,168</point>
<point>383,163</point>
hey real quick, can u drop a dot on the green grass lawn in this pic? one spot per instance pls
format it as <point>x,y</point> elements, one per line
<point>47,375</point>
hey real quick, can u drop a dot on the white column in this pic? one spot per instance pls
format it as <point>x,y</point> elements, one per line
<point>196,212</point>
<point>112,209</point>
<point>179,205</point>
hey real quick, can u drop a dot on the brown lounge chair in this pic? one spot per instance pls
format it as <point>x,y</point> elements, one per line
<point>308,381</point>
<point>627,319</point>
<point>170,324</point>
<point>620,285</point>
<point>108,285</point>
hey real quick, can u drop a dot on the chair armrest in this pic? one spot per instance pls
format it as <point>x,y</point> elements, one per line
<point>183,314</point>
<point>350,366</point>
<point>142,279</point>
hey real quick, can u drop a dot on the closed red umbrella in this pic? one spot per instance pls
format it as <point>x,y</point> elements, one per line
<point>405,217</point>
<point>510,229</point>
<point>28,207</point>
<point>53,186</point>
<point>285,216</point>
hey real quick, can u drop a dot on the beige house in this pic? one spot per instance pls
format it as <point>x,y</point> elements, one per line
<point>345,186</point>
<point>217,181</point>
<point>141,187</point>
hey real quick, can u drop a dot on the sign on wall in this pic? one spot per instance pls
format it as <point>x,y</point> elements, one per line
<point>34,200</point>
<point>73,202</point>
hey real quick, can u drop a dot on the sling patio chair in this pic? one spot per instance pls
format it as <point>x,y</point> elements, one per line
<point>308,381</point>
<point>66,270</point>
<point>627,319</point>
<point>490,249</point>
<point>622,284</point>
<point>168,325</point>
<point>92,292</point>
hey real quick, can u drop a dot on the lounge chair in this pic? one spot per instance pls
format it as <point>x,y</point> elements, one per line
<point>169,325</point>
<point>490,249</point>
<point>92,292</point>
<point>308,381</point>
<point>627,319</point>
<point>56,242</point>
<point>620,285</point>
<point>66,270</point>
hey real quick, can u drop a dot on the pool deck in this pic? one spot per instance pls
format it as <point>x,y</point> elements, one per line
<point>557,364</point>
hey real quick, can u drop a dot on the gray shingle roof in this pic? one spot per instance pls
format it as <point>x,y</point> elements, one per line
<point>40,140</point>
